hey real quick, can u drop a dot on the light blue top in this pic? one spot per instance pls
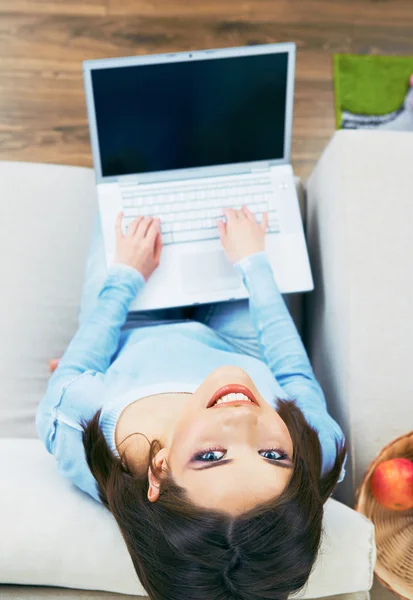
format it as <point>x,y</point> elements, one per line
<point>93,374</point>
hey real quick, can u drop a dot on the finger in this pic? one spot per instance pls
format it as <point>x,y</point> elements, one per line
<point>248,214</point>
<point>222,228</point>
<point>230,215</point>
<point>240,215</point>
<point>144,226</point>
<point>152,231</point>
<point>118,226</point>
<point>264,222</point>
<point>158,248</point>
<point>134,226</point>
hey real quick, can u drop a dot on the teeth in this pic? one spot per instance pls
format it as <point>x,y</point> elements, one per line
<point>232,398</point>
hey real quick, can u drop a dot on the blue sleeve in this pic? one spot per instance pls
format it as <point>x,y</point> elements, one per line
<point>76,389</point>
<point>96,341</point>
<point>284,353</point>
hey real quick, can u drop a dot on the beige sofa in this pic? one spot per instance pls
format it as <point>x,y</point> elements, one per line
<point>52,534</point>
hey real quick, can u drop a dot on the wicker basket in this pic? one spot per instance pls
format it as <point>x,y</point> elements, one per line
<point>394,529</point>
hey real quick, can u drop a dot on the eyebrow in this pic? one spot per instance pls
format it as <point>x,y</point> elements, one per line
<point>212,465</point>
<point>226,461</point>
<point>279,464</point>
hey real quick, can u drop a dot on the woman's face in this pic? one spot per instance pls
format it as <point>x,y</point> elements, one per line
<point>228,456</point>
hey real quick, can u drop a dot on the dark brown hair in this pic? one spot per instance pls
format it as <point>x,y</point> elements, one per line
<point>184,552</point>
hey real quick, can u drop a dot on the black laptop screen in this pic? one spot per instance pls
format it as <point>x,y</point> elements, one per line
<point>190,114</point>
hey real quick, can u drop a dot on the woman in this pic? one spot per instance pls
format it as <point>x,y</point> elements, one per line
<point>203,430</point>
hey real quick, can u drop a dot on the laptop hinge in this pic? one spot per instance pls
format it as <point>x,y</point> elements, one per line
<point>260,169</point>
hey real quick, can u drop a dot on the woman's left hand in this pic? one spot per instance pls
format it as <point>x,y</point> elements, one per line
<point>141,247</point>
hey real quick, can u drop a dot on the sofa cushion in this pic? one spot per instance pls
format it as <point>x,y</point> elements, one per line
<point>58,536</point>
<point>45,224</point>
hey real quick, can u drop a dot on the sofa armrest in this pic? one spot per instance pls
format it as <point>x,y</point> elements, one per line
<point>45,229</point>
<point>359,327</point>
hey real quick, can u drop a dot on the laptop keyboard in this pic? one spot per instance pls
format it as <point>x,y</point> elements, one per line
<point>188,213</point>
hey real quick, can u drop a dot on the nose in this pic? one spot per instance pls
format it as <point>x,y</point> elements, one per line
<point>239,425</point>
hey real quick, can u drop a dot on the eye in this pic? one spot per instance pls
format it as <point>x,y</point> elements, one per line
<point>210,455</point>
<point>274,454</point>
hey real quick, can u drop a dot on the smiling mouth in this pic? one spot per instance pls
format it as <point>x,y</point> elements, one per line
<point>232,394</point>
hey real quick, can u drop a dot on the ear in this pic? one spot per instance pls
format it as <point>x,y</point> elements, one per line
<point>156,473</point>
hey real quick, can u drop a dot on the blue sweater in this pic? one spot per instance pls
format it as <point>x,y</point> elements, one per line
<point>94,373</point>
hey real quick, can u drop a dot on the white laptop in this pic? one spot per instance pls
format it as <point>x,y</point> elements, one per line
<point>180,137</point>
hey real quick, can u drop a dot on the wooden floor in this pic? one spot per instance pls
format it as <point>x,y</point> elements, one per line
<point>43,42</point>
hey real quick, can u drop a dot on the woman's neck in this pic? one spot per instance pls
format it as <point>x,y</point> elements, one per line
<point>152,417</point>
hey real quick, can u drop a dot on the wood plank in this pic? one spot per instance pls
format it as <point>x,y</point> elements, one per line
<point>72,38</point>
<point>53,7</point>
<point>312,65</point>
<point>353,12</point>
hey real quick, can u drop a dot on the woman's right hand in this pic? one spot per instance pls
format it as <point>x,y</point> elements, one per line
<point>241,235</point>
<point>141,247</point>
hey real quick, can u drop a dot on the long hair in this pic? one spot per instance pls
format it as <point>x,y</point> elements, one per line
<point>181,551</point>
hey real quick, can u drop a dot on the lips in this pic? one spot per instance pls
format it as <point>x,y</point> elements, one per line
<point>232,388</point>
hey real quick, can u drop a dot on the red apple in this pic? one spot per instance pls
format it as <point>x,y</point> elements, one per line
<point>392,484</point>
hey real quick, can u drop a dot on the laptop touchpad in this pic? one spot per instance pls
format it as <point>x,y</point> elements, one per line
<point>208,271</point>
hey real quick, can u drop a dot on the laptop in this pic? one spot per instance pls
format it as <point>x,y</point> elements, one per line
<point>180,136</point>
